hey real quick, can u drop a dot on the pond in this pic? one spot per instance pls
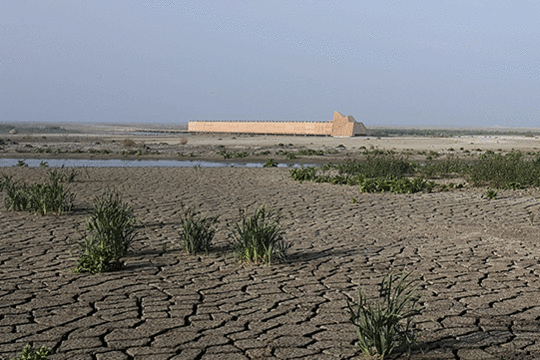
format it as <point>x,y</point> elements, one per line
<point>134,163</point>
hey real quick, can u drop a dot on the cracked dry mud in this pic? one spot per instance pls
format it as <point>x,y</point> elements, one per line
<point>478,260</point>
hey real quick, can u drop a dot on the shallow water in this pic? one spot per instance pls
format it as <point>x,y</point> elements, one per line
<point>132,163</point>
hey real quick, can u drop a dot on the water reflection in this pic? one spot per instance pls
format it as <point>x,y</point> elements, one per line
<point>131,163</point>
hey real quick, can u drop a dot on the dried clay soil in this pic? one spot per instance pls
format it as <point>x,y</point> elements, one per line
<point>477,259</point>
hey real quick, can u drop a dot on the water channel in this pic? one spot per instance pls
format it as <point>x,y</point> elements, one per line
<point>134,163</point>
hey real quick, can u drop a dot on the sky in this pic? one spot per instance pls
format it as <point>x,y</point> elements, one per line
<point>386,63</point>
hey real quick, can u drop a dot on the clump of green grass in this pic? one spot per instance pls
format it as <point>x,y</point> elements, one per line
<point>305,173</point>
<point>310,152</point>
<point>29,353</point>
<point>259,237</point>
<point>21,163</point>
<point>510,171</point>
<point>38,198</point>
<point>491,194</point>
<point>108,234</point>
<point>270,163</point>
<point>386,325</point>
<point>197,231</point>
<point>233,154</point>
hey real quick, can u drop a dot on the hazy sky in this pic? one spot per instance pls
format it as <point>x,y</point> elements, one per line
<point>458,63</point>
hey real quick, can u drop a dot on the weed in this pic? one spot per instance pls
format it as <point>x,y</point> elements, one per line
<point>308,173</point>
<point>491,194</point>
<point>354,201</point>
<point>108,234</point>
<point>386,326</point>
<point>197,231</point>
<point>310,152</point>
<point>270,163</point>
<point>28,353</point>
<point>21,163</point>
<point>39,198</point>
<point>6,182</point>
<point>290,156</point>
<point>531,219</point>
<point>233,154</point>
<point>259,237</point>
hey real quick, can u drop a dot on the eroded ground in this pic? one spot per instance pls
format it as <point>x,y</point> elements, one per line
<point>478,260</point>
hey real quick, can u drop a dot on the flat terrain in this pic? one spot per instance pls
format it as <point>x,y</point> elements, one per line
<point>478,261</point>
<point>161,142</point>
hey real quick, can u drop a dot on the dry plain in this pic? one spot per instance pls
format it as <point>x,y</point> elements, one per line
<point>478,261</point>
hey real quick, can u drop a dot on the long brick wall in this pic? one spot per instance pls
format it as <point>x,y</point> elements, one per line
<point>339,126</point>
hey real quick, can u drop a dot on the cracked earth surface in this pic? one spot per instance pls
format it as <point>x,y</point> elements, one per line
<point>478,260</point>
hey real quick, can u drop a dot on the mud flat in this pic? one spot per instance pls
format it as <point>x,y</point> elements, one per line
<point>174,142</point>
<point>478,260</point>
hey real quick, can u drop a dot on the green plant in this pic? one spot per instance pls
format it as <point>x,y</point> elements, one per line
<point>308,173</point>
<point>270,163</point>
<point>290,156</point>
<point>43,164</point>
<point>38,198</point>
<point>386,325</point>
<point>197,231</point>
<point>491,194</point>
<point>28,353</point>
<point>259,237</point>
<point>108,234</point>
<point>21,163</point>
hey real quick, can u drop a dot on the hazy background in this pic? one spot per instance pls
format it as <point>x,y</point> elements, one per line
<point>407,63</point>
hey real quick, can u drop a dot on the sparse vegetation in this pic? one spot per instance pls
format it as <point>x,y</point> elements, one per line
<point>259,237</point>
<point>491,194</point>
<point>107,236</point>
<point>270,163</point>
<point>385,325</point>
<point>197,231</point>
<point>233,154</point>
<point>29,353</point>
<point>38,198</point>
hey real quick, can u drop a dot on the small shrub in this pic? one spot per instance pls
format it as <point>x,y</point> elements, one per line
<point>386,326</point>
<point>290,156</point>
<point>259,237</point>
<point>270,163</point>
<point>491,194</point>
<point>197,231</point>
<point>108,234</point>
<point>29,353</point>
<point>308,173</point>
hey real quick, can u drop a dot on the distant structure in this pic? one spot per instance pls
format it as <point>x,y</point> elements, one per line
<point>345,126</point>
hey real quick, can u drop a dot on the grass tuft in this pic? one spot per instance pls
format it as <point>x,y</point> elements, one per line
<point>38,198</point>
<point>28,353</point>
<point>197,231</point>
<point>108,234</point>
<point>386,326</point>
<point>259,237</point>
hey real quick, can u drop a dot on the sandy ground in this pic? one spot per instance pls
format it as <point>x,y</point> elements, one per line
<point>184,146</point>
<point>477,259</point>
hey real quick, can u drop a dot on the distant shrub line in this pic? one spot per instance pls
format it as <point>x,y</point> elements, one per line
<point>388,172</point>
